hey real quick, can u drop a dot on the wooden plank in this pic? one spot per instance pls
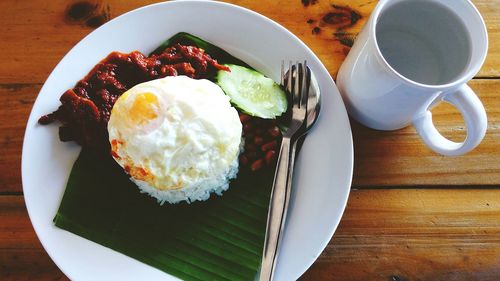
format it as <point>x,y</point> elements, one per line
<point>21,254</point>
<point>381,158</point>
<point>398,234</point>
<point>36,34</point>
<point>490,11</point>
<point>28,264</point>
<point>16,101</point>
<point>415,234</point>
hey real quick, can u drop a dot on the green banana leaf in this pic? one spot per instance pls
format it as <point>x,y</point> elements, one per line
<point>218,239</point>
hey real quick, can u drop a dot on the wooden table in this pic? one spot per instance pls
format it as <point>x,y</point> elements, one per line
<point>412,214</point>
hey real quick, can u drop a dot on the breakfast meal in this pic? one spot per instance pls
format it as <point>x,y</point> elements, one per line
<point>180,126</point>
<point>172,130</point>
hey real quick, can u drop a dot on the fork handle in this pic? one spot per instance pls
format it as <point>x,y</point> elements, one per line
<point>276,216</point>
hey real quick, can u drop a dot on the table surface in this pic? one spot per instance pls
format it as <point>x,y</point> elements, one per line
<point>411,215</point>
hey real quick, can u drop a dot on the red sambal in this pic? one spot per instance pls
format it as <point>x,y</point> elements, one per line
<point>85,109</point>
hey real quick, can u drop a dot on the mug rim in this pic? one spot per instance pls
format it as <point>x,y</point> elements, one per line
<point>473,68</point>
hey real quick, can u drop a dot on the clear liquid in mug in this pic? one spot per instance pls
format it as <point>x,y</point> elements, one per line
<point>424,41</point>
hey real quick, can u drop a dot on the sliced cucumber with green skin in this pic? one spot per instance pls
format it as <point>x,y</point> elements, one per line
<point>252,92</point>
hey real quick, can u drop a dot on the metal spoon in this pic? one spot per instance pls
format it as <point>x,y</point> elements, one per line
<point>313,109</point>
<point>301,85</point>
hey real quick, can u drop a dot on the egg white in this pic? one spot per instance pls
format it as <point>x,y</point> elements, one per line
<point>176,136</point>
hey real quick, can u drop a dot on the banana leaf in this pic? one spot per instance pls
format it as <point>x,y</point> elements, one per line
<point>218,239</point>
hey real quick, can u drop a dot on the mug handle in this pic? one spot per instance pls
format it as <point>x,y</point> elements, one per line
<point>472,110</point>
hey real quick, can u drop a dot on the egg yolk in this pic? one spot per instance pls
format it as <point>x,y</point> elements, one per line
<point>144,108</point>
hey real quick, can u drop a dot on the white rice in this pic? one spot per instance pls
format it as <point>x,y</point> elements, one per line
<point>199,191</point>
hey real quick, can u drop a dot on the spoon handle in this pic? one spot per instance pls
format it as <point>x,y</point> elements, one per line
<point>280,195</point>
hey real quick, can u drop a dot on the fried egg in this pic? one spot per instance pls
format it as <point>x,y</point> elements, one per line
<point>178,138</point>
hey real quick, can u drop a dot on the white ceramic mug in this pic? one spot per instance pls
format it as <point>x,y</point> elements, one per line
<point>411,55</point>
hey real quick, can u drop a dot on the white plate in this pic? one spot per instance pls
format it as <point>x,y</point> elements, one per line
<point>324,168</point>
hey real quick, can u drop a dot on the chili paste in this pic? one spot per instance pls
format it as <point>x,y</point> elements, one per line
<point>85,109</point>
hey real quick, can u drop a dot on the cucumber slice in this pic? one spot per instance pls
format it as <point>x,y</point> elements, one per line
<point>252,92</point>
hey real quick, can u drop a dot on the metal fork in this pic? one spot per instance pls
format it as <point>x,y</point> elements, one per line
<point>297,85</point>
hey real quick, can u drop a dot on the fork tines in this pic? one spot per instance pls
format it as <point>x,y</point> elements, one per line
<point>296,82</point>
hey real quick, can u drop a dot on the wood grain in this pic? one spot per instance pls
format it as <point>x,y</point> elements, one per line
<point>16,101</point>
<point>43,28</point>
<point>21,254</point>
<point>382,159</point>
<point>399,234</point>
<point>415,234</point>
<point>396,234</point>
